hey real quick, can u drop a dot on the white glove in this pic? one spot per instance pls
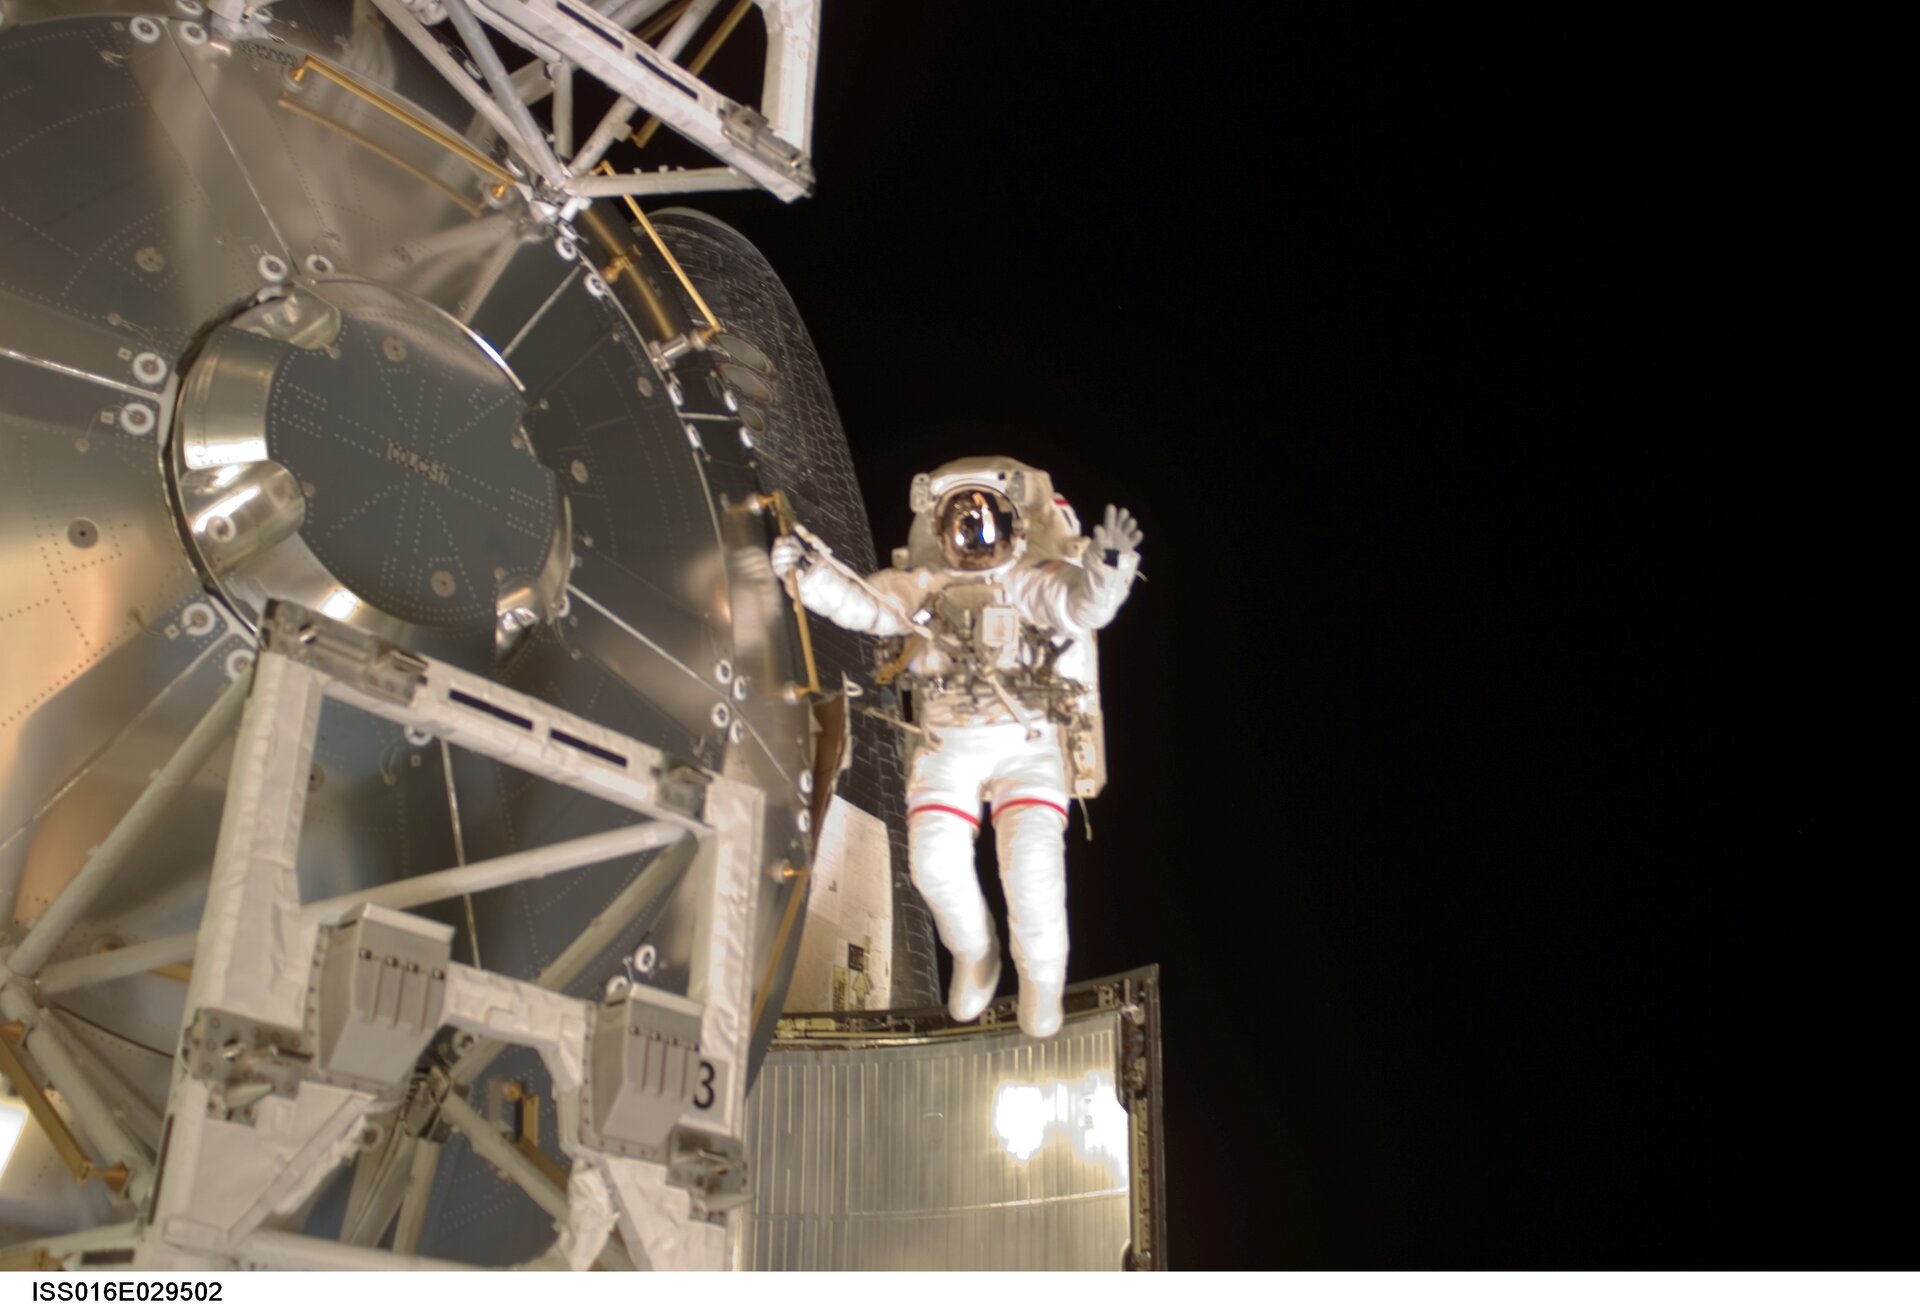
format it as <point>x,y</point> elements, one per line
<point>1119,534</point>
<point>786,554</point>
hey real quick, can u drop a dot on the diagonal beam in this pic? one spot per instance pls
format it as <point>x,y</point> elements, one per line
<point>532,140</point>
<point>435,887</point>
<point>493,1146</point>
<point>647,892</point>
<point>131,833</point>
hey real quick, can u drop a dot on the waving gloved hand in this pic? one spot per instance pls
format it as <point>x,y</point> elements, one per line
<point>1118,535</point>
<point>786,554</point>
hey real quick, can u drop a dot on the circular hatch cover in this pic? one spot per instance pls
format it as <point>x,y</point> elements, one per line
<point>358,449</point>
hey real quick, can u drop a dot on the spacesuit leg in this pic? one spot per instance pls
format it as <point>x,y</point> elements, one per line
<point>943,802</point>
<point>1029,795</point>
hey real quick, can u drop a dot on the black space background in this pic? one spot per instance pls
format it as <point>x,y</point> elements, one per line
<point>1406,344</point>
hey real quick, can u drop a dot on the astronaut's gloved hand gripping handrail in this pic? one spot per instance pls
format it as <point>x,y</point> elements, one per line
<point>824,554</point>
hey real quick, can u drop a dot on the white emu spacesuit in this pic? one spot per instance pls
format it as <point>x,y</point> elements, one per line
<point>995,599</point>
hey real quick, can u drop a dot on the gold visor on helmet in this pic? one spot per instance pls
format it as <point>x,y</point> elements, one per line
<point>975,528</point>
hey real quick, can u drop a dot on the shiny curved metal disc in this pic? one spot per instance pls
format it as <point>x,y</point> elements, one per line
<point>359,450</point>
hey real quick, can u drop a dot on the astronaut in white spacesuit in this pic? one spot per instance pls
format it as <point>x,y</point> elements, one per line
<point>995,601</point>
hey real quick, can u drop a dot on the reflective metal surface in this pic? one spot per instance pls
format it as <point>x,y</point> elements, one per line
<point>359,451</point>
<point>260,338</point>
<point>897,1141</point>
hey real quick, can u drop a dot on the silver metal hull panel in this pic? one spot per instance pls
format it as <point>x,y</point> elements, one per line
<point>93,591</point>
<point>202,161</point>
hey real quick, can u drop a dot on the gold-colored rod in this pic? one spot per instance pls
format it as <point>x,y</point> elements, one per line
<point>795,897</point>
<point>55,1126</point>
<point>546,1165</point>
<point>472,210</point>
<point>598,222</point>
<point>530,1118</point>
<point>658,25</point>
<point>444,140</point>
<point>713,324</point>
<point>783,516</point>
<point>806,637</point>
<point>698,64</point>
<point>528,1140</point>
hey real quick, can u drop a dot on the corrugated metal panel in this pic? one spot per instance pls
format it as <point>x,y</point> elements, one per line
<point>976,1152</point>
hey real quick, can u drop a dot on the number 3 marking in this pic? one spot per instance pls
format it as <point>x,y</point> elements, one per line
<point>707,1073</point>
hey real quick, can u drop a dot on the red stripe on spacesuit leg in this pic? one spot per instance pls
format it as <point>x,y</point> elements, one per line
<point>999,808</point>
<point>941,807</point>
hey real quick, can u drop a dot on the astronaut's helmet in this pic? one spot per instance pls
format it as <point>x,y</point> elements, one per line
<point>976,528</point>
<point>977,517</point>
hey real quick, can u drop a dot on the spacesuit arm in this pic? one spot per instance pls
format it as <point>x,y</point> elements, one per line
<point>846,605</point>
<point>1074,599</point>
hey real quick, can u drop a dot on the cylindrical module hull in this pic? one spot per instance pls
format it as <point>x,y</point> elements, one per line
<point>262,336</point>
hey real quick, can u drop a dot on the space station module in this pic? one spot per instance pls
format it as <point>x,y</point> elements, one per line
<point>990,612</point>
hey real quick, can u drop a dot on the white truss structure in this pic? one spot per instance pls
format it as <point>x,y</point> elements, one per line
<point>766,147</point>
<point>300,1046</point>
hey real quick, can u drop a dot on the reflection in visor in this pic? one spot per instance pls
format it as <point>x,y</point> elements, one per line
<point>975,527</point>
